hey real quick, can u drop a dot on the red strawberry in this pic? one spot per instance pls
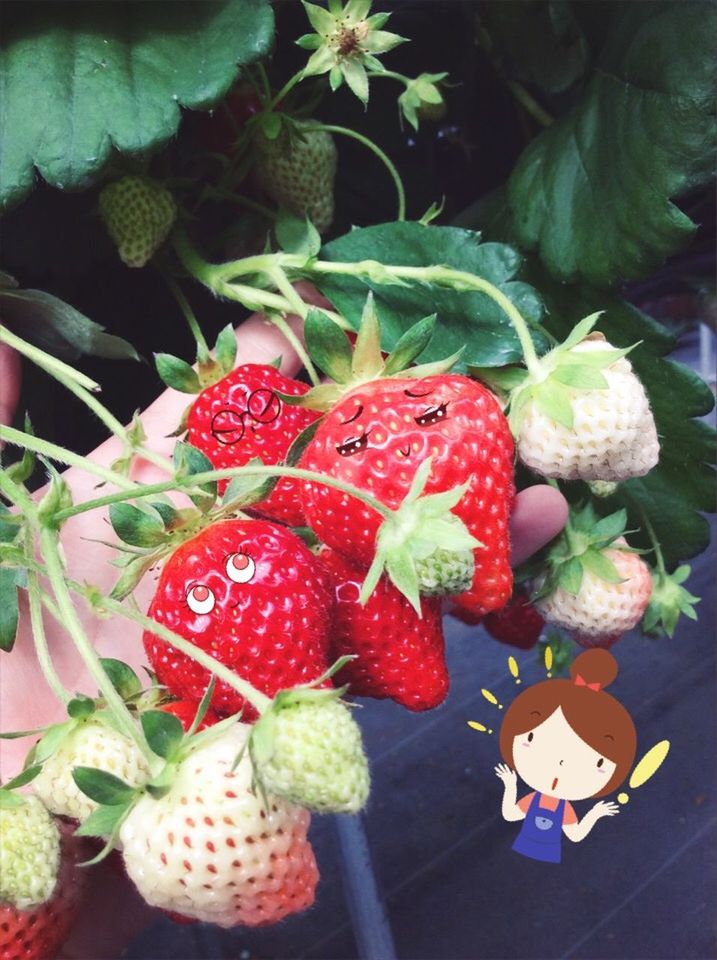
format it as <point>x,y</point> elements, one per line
<point>242,417</point>
<point>219,129</point>
<point>399,655</point>
<point>38,932</point>
<point>186,710</point>
<point>518,623</point>
<point>376,437</point>
<point>465,616</point>
<point>249,593</point>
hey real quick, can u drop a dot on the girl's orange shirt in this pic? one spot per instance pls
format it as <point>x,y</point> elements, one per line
<point>549,803</point>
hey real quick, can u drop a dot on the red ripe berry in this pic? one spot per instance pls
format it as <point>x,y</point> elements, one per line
<point>518,624</point>
<point>398,655</point>
<point>186,710</point>
<point>219,129</point>
<point>249,593</point>
<point>376,437</point>
<point>242,417</point>
<point>38,933</point>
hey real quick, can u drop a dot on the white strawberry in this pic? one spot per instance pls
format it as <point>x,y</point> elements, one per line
<point>91,744</point>
<point>600,612</point>
<point>307,748</point>
<point>210,850</point>
<point>29,854</point>
<point>298,173</point>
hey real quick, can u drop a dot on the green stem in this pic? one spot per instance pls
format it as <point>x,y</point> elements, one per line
<point>289,85</point>
<point>264,77</point>
<point>56,368</point>
<point>54,452</point>
<point>302,310</point>
<point>374,148</point>
<point>656,548</point>
<point>198,479</point>
<point>257,699</point>
<point>529,103</point>
<point>389,74</point>
<point>40,639</point>
<point>71,622</point>
<point>189,316</point>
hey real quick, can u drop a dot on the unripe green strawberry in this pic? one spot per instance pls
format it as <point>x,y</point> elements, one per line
<point>307,748</point>
<point>445,571</point>
<point>138,214</point>
<point>29,854</point>
<point>298,173</point>
<point>92,744</point>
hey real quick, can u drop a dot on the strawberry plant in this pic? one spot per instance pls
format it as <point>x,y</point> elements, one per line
<point>282,542</point>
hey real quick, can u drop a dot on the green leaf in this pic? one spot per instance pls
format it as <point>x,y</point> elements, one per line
<point>188,460</point>
<point>54,325</point>
<point>122,677</point>
<point>8,608</point>
<point>8,799</point>
<point>464,318</point>
<point>539,41</point>
<point>600,565</point>
<point>570,576</point>
<point>410,345</point>
<point>225,349</point>
<point>177,373</point>
<point>604,214</point>
<point>81,707</point>
<point>328,345</point>
<point>610,527</point>
<point>203,707</point>
<point>367,359</point>
<point>297,235</point>
<point>102,821</point>
<point>51,740</point>
<point>136,527</point>
<point>163,732</point>
<point>580,377</point>
<point>27,775</point>
<point>553,400</point>
<point>103,787</point>
<point>114,77</point>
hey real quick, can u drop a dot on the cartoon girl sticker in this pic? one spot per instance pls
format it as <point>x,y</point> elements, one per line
<point>568,740</point>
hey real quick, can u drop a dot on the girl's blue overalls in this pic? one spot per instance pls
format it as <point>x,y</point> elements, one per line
<point>541,832</point>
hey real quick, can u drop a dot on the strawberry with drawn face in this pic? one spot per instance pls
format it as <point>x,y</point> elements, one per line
<point>376,437</point>
<point>250,593</point>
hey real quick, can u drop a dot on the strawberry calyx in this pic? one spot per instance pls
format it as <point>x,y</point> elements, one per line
<point>669,599</point>
<point>550,382</point>
<point>421,540</point>
<point>579,548</point>
<point>348,368</point>
<point>212,365</point>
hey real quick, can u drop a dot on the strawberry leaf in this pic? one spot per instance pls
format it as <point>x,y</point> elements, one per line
<point>295,235</point>
<point>225,349</point>
<point>163,732</point>
<point>51,740</point>
<point>580,377</point>
<point>8,608</point>
<point>328,345</point>
<point>80,708</point>
<point>135,526</point>
<point>600,565</point>
<point>27,775</point>
<point>103,821</point>
<point>122,677</point>
<point>177,373</point>
<point>103,787</point>
<point>188,460</point>
<point>570,576</point>
<point>410,345</point>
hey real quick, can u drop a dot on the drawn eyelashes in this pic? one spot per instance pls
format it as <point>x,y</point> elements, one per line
<point>432,415</point>
<point>229,424</point>
<point>355,445</point>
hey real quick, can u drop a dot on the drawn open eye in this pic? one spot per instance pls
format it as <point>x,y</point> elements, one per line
<point>600,762</point>
<point>432,415</point>
<point>240,567</point>
<point>353,445</point>
<point>200,599</point>
<point>530,737</point>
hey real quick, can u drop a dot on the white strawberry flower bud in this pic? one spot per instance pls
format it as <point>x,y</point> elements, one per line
<point>29,854</point>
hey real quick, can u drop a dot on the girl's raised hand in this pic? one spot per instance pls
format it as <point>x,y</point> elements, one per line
<point>605,808</point>
<point>504,773</point>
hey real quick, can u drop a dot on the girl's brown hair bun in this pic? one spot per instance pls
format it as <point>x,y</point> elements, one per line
<point>595,666</point>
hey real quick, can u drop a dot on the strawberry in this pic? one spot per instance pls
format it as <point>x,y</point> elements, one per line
<point>588,418</point>
<point>298,172</point>
<point>375,438</point>
<point>307,748</point>
<point>138,214</point>
<point>518,623</point>
<point>37,933</point>
<point>601,610</point>
<point>186,710</point>
<point>242,417</point>
<point>250,594</point>
<point>29,853</point>
<point>219,129</point>
<point>91,744</point>
<point>399,655</point>
<point>209,850</point>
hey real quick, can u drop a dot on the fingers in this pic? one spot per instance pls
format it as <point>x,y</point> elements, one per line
<point>539,514</point>
<point>9,383</point>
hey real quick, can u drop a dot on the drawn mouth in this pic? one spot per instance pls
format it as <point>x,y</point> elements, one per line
<point>405,451</point>
<point>555,783</point>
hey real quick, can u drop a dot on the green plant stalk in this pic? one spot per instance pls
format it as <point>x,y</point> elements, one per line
<point>40,639</point>
<point>52,451</point>
<point>71,622</point>
<point>374,148</point>
<point>289,85</point>
<point>656,548</point>
<point>198,479</point>
<point>257,699</point>
<point>189,316</point>
<point>56,368</point>
<point>301,310</point>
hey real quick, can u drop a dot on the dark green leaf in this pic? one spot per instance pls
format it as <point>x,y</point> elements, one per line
<point>114,77</point>
<point>102,787</point>
<point>177,373</point>
<point>8,608</point>
<point>102,821</point>
<point>410,345</point>
<point>54,325</point>
<point>188,461</point>
<point>464,318</point>
<point>245,489</point>
<point>328,345</point>
<point>605,214</point>
<point>610,527</point>
<point>296,235</point>
<point>80,708</point>
<point>122,677</point>
<point>204,705</point>
<point>167,512</point>
<point>28,774</point>
<point>135,526</point>
<point>301,442</point>
<point>163,732</point>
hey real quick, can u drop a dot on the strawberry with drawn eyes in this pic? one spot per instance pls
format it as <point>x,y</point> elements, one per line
<point>242,417</point>
<point>376,437</point>
<point>251,594</point>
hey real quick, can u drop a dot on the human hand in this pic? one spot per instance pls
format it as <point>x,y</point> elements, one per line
<point>604,808</point>
<point>508,776</point>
